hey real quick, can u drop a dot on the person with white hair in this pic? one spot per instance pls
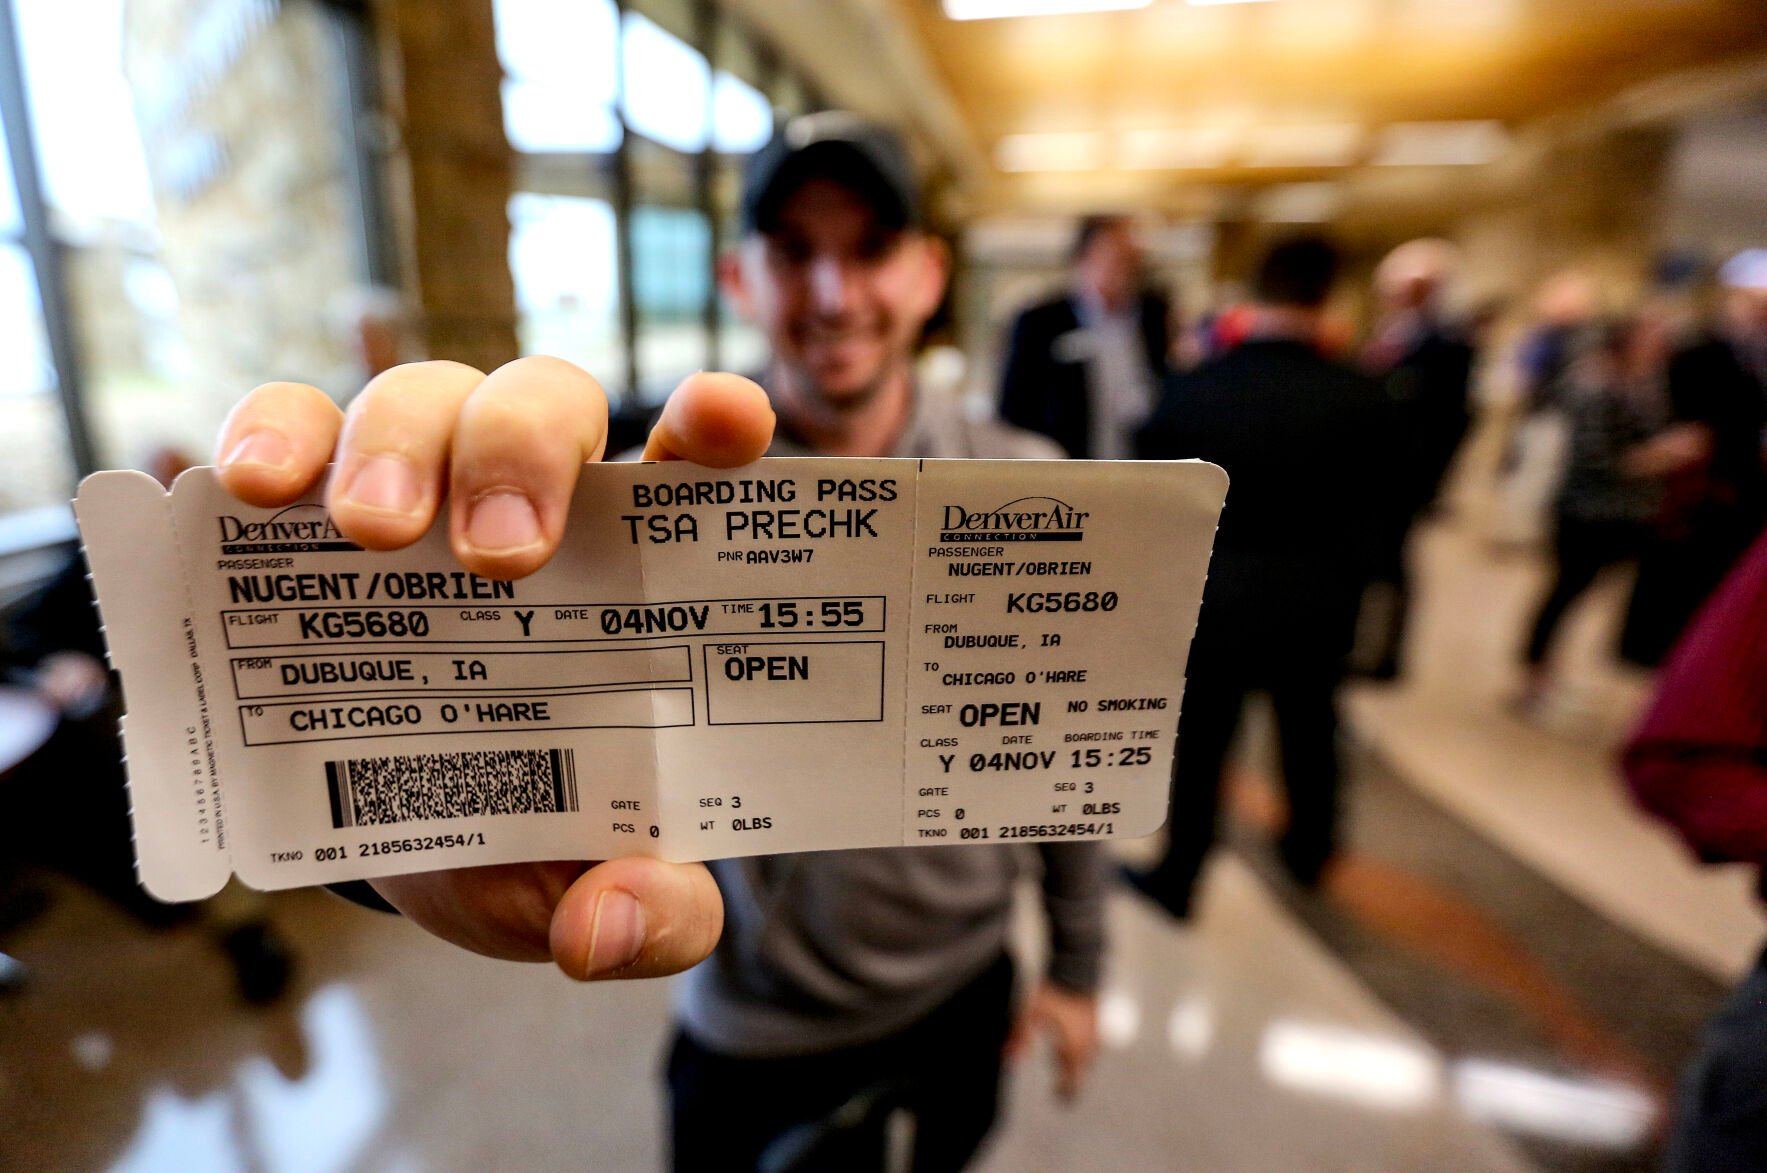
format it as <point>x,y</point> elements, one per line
<point>1426,361</point>
<point>1716,489</point>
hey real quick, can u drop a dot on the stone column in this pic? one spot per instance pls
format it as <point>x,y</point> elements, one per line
<point>443,95</point>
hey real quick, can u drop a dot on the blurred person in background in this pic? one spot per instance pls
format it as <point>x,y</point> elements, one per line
<point>1715,499</point>
<point>845,989</point>
<point>1698,761</point>
<point>1610,396</point>
<point>74,805</point>
<point>1084,368</point>
<point>1426,362</point>
<point>371,326</point>
<point>1535,436</point>
<point>1567,303</point>
<point>1309,445</point>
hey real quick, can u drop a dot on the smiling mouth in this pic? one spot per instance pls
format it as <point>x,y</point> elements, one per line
<point>822,334</point>
<point>832,340</point>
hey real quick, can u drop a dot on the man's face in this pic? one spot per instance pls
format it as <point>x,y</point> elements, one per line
<point>1111,264</point>
<point>841,297</point>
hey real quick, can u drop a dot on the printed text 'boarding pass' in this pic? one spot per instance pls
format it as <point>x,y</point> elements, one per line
<point>796,655</point>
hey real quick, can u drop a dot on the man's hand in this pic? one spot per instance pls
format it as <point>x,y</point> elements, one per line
<point>74,682</point>
<point>1070,1019</point>
<point>1675,449</point>
<point>501,453</point>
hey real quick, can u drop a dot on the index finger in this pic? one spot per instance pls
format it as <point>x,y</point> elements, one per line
<point>276,443</point>
<point>718,420</point>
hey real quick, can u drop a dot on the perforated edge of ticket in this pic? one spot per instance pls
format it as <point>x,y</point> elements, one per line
<point>801,654</point>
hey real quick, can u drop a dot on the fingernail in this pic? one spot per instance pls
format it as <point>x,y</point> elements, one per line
<point>384,482</point>
<point>617,934</point>
<point>502,521</point>
<point>264,447</point>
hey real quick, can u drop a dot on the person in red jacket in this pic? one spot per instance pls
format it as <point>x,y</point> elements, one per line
<point>1699,762</point>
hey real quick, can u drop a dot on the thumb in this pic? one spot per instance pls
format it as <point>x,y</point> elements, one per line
<point>636,917</point>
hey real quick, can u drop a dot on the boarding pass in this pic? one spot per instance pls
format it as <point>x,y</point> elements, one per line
<point>801,654</point>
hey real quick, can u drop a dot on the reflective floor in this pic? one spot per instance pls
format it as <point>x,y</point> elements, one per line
<point>1506,973</point>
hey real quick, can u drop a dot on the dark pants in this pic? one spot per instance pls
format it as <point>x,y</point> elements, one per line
<point>1721,1125</point>
<point>1583,549</point>
<point>1675,577</point>
<point>1304,696</point>
<point>1385,614</point>
<point>938,1078</point>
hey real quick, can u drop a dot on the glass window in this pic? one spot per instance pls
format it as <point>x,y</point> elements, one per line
<point>561,74</point>
<point>94,171</point>
<point>538,117</point>
<point>667,85</point>
<point>11,223</point>
<point>95,184</point>
<point>36,468</point>
<point>563,255</point>
<point>186,281</point>
<point>671,280</point>
<point>742,118</point>
<point>189,281</point>
<point>567,42</point>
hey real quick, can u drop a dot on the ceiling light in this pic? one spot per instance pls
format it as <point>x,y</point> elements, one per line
<point>1325,144</point>
<point>997,9</point>
<point>1299,203</point>
<point>1176,148</point>
<point>1081,150</point>
<point>1440,144</point>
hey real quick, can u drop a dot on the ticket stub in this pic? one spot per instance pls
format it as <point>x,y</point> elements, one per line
<point>801,654</point>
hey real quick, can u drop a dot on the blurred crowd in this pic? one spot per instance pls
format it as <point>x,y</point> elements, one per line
<point>1637,437</point>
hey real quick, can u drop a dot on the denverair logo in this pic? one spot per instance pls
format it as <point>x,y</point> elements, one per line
<point>299,529</point>
<point>1028,519</point>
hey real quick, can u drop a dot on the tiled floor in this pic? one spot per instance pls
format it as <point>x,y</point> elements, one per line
<point>396,1052</point>
<point>1546,790</point>
<point>1240,1044</point>
<point>1455,1000</point>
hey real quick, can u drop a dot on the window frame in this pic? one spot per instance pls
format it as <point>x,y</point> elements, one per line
<point>45,250</point>
<point>47,253</point>
<point>37,529</point>
<point>711,27</point>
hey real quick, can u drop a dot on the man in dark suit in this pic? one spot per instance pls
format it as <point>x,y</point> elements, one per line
<point>1309,445</point>
<point>1084,369</point>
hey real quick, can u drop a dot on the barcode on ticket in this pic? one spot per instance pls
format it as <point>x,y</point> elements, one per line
<point>369,792</point>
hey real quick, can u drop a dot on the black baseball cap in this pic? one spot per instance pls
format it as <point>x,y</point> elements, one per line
<point>865,156</point>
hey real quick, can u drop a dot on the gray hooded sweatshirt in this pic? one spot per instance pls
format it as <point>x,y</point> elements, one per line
<point>832,949</point>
